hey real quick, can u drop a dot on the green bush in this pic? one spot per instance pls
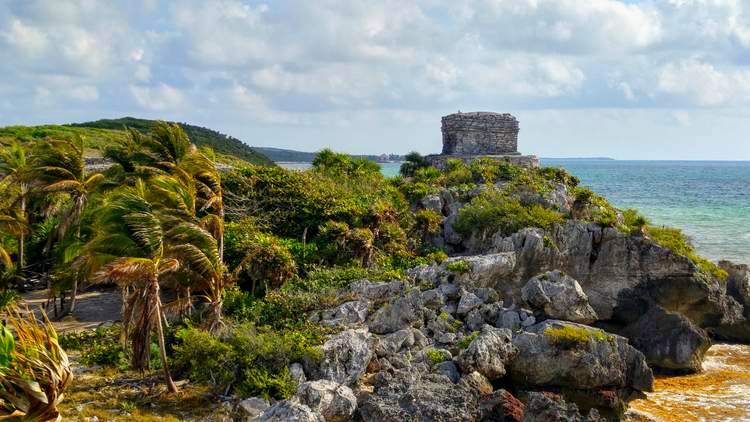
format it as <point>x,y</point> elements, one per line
<point>492,211</point>
<point>466,341</point>
<point>435,356</point>
<point>252,360</point>
<point>98,347</point>
<point>459,266</point>
<point>572,336</point>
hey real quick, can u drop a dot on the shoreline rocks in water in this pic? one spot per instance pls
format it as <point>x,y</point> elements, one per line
<point>564,324</point>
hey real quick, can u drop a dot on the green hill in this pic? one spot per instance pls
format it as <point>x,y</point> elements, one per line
<point>102,133</point>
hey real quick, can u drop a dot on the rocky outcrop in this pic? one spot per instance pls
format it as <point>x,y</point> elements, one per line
<point>564,354</point>
<point>558,296</point>
<point>669,340</point>
<point>550,407</point>
<point>411,396</point>
<point>399,313</point>
<point>289,411</point>
<point>334,401</point>
<point>345,357</point>
<point>488,353</point>
<point>501,406</point>
<point>738,288</point>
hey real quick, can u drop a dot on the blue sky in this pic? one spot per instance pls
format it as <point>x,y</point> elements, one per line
<point>667,79</point>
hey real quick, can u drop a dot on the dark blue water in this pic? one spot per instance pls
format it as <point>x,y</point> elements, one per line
<point>709,200</point>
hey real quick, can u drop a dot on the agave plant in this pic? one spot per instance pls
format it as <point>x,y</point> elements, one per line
<point>34,369</point>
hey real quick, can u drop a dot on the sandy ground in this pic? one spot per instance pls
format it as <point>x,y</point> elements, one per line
<point>93,308</point>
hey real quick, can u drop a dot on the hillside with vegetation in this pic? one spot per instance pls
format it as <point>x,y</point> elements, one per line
<point>281,155</point>
<point>102,134</point>
<point>475,292</point>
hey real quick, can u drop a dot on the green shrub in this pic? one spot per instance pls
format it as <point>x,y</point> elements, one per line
<point>466,341</point>
<point>459,266</point>
<point>435,356</point>
<point>427,222</point>
<point>492,211</point>
<point>7,298</point>
<point>570,336</point>
<point>605,217</point>
<point>252,360</point>
<point>413,161</point>
<point>676,241</point>
<point>634,222</point>
<point>98,347</point>
<point>267,263</point>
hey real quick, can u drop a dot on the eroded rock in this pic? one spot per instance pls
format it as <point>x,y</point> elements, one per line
<point>336,402</point>
<point>558,296</point>
<point>488,353</point>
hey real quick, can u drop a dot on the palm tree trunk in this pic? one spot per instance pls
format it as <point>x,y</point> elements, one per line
<point>75,280</point>
<point>171,387</point>
<point>22,237</point>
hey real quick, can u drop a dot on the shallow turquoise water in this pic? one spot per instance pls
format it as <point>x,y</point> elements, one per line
<point>709,200</point>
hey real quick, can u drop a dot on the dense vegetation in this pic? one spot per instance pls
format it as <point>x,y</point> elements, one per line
<point>102,134</point>
<point>245,254</point>
<point>292,156</point>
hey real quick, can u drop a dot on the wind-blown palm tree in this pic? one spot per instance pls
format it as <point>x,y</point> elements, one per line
<point>61,167</point>
<point>131,243</point>
<point>16,171</point>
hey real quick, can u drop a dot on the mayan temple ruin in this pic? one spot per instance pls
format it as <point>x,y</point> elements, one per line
<point>467,136</point>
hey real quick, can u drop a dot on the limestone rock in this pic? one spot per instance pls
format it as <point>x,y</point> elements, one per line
<point>347,313</point>
<point>412,396</point>
<point>669,340</point>
<point>449,369</point>
<point>477,382</point>
<point>565,354</point>
<point>297,372</point>
<point>399,313</point>
<point>558,296</point>
<point>546,407</point>
<point>468,302</point>
<point>365,289</point>
<point>489,353</point>
<point>289,411</point>
<point>501,406</point>
<point>253,407</point>
<point>345,358</point>
<point>334,401</point>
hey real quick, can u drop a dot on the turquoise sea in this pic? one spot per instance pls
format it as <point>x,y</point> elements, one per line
<point>709,200</point>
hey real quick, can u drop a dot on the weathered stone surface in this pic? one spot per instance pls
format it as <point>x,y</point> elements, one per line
<point>477,382</point>
<point>595,361</point>
<point>433,202</point>
<point>412,396</point>
<point>480,133</point>
<point>501,406</point>
<point>289,411</point>
<point>336,402</point>
<point>433,299</point>
<point>449,369</point>
<point>558,296</point>
<point>253,407</point>
<point>468,302</point>
<point>391,343</point>
<point>484,270</point>
<point>365,289</point>
<point>669,340</point>
<point>348,313</point>
<point>399,313</point>
<point>297,371</point>
<point>547,407</point>
<point>345,358</point>
<point>489,353</point>
<point>738,288</point>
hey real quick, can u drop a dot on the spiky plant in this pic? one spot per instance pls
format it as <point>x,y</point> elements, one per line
<point>131,245</point>
<point>60,166</point>
<point>34,369</point>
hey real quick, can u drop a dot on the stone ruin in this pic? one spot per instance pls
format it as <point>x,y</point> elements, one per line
<point>467,136</point>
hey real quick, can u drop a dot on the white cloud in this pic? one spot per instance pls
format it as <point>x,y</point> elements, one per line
<point>703,84</point>
<point>161,97</point>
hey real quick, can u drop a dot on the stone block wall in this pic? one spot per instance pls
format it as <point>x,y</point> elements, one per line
<point>480,133</point>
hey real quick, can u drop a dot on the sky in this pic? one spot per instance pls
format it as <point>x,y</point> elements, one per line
<point>650,79</point>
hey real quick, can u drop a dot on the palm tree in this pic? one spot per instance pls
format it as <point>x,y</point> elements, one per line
<point>131,243</point>
<point>15,170</point>
<point>61,167</point>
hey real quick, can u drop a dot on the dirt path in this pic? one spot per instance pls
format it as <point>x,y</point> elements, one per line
<point>93,308</point>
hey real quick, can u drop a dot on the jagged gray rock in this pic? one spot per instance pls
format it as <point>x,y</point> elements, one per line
<point>297,371</point>
<point>413,396</point>
<point>345,358</point>
<point>488,353</point>
<point>558,296</point>
<point>542,407</point>
<point>468,302</point>
<point>348,313</point>
<point>397,314</point>
<point>289,411</point>
<point>449,369</point>
<point>565,354</point>
<point>336,402</point>
<point>669,340</point>
<point>253,407</point>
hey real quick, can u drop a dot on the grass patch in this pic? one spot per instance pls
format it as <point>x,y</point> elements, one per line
<point>494,211</point>
<point>435,356</point>
<point>459,267</point>
<point>466,341</point>
<point>570,336</point>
